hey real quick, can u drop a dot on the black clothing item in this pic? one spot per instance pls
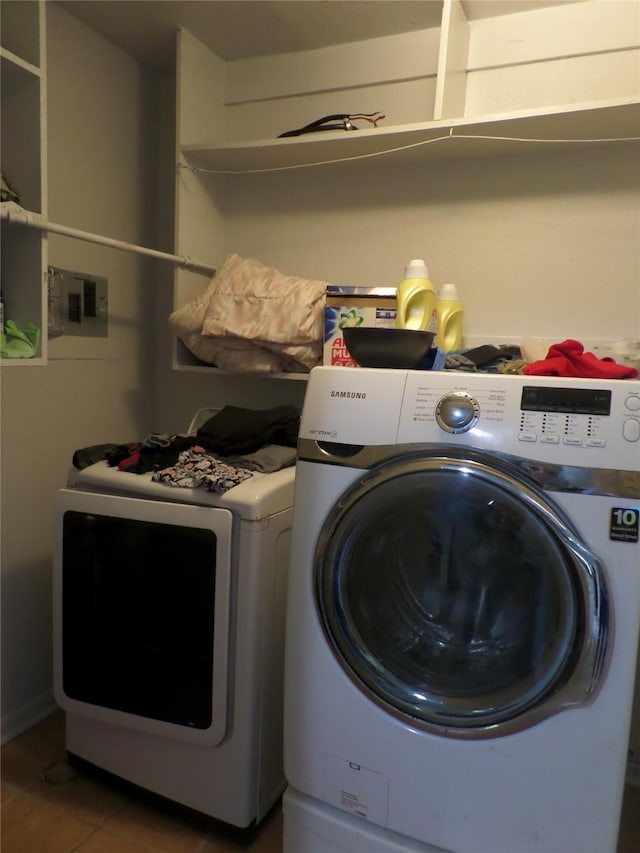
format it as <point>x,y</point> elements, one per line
<point>231,432</point>
<point>235,430</point>
<point>90,455</point>
<point>141,458</point>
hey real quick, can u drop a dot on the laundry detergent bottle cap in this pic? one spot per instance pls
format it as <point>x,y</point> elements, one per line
<point>416,269</point>
<point>450,318</point>
<point>417,299</point>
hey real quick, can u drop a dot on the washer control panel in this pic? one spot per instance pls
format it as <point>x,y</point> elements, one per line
<point>566,415</point>
<point>593,423</point>
<point>567,421</point>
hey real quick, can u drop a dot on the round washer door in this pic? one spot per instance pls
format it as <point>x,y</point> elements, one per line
<point>458,598</point>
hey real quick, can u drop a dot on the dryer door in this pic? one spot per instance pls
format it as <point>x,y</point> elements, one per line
<point>142,614</point>
<point>457,597</point>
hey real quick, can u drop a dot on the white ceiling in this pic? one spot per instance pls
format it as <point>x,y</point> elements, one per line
<point>238,29</point>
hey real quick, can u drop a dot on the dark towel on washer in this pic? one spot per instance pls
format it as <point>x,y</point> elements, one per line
<point>235,431</point>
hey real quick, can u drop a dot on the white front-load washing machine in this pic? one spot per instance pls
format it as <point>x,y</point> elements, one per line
<point>463,612</point>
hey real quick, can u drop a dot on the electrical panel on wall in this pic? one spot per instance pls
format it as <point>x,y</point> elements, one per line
<point>78,304</point>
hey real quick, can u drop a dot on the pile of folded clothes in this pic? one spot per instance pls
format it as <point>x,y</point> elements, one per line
<point>224,451</point>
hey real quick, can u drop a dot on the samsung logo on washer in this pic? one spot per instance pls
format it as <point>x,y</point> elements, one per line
<point>354,395</point>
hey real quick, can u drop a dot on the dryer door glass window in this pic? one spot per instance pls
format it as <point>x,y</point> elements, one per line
<point>138,603</point>
<point>449,596</point>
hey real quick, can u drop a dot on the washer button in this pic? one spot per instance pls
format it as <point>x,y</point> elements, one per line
<point>632,403</point>
<point>576,442</point>
<point>527,436</point>
<point>631,429</point>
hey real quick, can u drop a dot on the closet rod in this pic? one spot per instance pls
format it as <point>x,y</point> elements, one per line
<point>34,220</point>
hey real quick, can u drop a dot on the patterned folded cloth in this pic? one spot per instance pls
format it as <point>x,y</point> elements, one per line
<point>196,468</point>
<point>569,359</point>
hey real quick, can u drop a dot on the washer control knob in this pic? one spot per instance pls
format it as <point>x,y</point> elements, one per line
<point>457,412</point>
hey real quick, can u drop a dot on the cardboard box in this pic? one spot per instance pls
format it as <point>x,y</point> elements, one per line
<point>354,306</point>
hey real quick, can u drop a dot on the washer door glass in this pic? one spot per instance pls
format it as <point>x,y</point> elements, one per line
<point>449,593</point>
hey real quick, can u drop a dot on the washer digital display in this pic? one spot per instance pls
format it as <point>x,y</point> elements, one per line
<point>572,401</point>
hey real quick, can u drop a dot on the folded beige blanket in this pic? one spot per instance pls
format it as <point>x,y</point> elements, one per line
<point>253,318</point>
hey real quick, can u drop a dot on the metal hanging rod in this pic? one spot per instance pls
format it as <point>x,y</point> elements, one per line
<point>19,216</point>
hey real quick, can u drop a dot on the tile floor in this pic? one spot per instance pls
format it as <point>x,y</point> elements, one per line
<point>87,815</point>
<point>93,815</point>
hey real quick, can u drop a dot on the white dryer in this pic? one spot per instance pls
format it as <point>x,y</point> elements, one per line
<point>463,612</point>
<point>169,608</point>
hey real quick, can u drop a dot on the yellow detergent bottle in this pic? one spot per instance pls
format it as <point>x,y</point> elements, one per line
<point>450,317</point>
<point>417,299</point>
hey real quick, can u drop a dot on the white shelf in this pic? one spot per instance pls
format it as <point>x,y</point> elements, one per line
<point>186,361</point>
<point>208,369</point>
<point>428,140</point>
<point>23,131</point>
<point>482,83</point>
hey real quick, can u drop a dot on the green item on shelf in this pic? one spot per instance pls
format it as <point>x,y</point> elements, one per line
<point>19,343</point>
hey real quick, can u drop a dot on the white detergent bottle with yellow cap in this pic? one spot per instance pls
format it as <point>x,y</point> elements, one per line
<point>450,317</point>
<point>417,298</point>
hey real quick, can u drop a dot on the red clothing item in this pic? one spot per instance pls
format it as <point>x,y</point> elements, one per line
<point>570,359</point>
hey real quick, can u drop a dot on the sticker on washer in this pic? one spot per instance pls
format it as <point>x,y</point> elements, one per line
<point>624,524</point>
<point>356,789</point>
<point>353,803</point>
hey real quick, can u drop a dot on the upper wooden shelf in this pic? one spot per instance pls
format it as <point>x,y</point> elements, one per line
<point>483,135</point>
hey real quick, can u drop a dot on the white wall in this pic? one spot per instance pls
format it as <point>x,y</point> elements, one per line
<point>179,395</point>
<point>102,169</point>
<point>539,245</point>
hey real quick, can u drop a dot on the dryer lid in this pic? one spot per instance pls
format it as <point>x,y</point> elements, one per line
<point>258,497</point>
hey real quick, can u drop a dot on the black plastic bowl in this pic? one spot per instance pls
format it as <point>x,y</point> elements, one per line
<point>396,348</point>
